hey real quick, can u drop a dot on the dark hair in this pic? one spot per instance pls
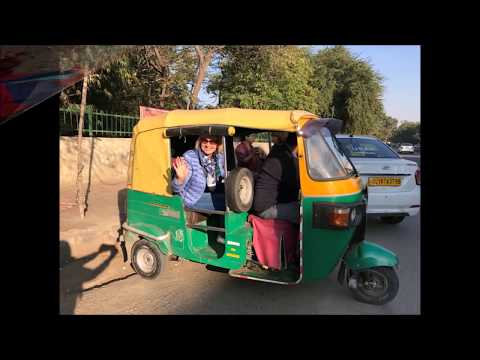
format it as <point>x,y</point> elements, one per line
<point>213,137</point>
<point>292,139</point>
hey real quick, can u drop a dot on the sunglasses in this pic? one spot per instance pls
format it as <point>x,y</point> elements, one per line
<point>209,141</point>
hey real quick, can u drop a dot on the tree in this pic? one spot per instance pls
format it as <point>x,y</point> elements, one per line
<point>96,58</point>
<point>385,128</point>
<point>265,77</point>
<point>80,195</point>
<point>348,89</point>
<point>172,69</point>
<point>408,132</point>
<point>157,76</point>
<point>112,88</point>
<point>205,55</point>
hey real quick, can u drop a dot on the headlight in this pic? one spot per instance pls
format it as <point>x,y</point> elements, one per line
<point>338,217</point>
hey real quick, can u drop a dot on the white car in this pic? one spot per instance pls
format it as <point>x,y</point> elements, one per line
<point>393,183</point>
<point>406,148</point>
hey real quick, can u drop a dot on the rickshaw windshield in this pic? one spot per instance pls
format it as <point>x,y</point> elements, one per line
<point>337,150</point>
<point>324,159</point>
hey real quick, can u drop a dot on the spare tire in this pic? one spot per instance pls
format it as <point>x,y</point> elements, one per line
<point>239,189</point>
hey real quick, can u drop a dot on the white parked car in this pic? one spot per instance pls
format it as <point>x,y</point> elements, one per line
<point>393,183</point>
<point>406,148</point>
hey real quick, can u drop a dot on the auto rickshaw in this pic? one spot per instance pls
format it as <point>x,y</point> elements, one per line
<point>332,215</point>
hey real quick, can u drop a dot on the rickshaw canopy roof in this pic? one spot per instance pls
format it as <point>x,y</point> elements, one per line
<point>274,120</point>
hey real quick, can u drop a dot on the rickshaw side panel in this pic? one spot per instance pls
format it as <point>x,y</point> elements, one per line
<point>232,254</point>
<point>323,248</point>
<point>157,215</point>
<point>238,234</point>
<point>150,166</point>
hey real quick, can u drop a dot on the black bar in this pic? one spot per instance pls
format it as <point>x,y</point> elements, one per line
<point>380,175</point>
<point>207,211</point>
<point>207,228</point>
<point>218,130</point>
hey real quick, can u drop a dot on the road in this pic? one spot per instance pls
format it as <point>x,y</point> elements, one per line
<point>189,288</point>
<point>413,157</point>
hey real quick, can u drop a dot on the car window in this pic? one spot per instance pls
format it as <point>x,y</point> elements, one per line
<point>366,148</point>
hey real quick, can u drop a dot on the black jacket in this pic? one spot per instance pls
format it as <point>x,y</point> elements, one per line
<point>278,181</point>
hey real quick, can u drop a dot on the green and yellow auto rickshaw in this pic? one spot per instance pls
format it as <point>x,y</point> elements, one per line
<point>332,216</point>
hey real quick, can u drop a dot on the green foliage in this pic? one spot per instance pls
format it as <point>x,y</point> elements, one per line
<point>349,89</point>
<point>385,127</point>
<point>265,77</point>
<point>407,132</point>
<point>156,76</point>
<point>330,83</point>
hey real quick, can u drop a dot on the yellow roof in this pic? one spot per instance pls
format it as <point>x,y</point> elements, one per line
<point>274,120</point>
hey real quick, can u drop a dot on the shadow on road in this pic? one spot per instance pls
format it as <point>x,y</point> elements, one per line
<point>74,274</point>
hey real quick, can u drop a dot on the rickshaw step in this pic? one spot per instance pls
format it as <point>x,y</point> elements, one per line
<point>283,277</point>
<point>206,228</point>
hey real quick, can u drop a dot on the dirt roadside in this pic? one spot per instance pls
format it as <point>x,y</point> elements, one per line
<point>90,252</point>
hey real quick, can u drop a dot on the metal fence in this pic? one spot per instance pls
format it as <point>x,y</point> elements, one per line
<point>107,125</point>
<point>96,124</point>
<point>262,137</point>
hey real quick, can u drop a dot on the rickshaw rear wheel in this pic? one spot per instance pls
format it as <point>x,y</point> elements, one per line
<point>376,286</point>
<point>147,259</point>
<point>392,219</point>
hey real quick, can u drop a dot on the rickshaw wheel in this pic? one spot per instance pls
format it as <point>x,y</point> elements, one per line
<point>147,260</point>
<point>376,286</point>
<point>239,189</point>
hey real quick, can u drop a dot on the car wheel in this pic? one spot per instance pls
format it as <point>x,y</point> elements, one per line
<point>392,219</point>
<point>147,259</point>
<point>239,189</point>
<point>376,286</point>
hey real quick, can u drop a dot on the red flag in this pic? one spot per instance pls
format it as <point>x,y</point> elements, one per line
<point>149,111</point>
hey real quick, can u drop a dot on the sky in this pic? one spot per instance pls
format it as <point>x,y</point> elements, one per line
<point>400,67</point>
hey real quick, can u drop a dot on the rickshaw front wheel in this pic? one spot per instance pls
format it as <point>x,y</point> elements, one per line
<point>377,285</point>
<point>147,259</point>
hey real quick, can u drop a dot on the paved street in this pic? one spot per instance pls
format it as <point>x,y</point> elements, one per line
<point>188,288</point>
<point>412,157</point>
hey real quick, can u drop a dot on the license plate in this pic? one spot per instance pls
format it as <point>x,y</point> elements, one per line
<point>384,181</point>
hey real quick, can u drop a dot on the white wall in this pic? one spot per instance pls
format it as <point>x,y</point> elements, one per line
<point>108,160</point>
<point>105,160</point>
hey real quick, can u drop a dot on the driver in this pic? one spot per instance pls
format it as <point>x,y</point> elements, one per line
<point>277,186</point>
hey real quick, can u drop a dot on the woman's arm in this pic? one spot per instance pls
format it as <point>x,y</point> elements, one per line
<point>183,173</point>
